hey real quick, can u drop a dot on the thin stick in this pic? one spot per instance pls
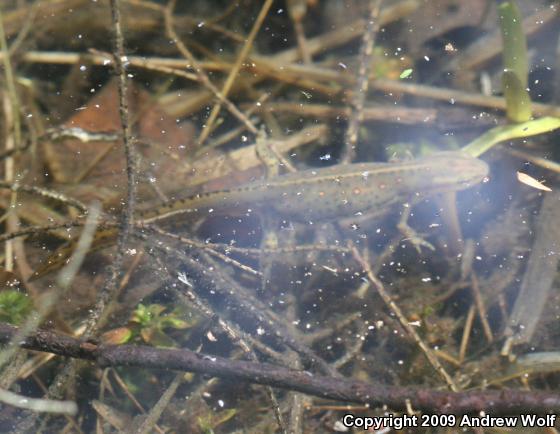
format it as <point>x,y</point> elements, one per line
<point>432,358</point>
<point>535,159</point>
<point>129,150</point>
<point>235,70</point>
<point>149,423</point>
<point>233,133</point>
<point>127,219</point>
<point>466,333</point>
<point>482,313</point>
<point>39,230</point>
<point>13,139</point>
<point>202,76</point>
<point>237,336</point>
<point>45,192</point>
<point>40,405</point>
<point>12,218</point>
<point>297,10</point>
<point>210,250</point>
<point>385,112</point>
<point>10,84</point>
<point>456,96</point>
<point>362,84</point>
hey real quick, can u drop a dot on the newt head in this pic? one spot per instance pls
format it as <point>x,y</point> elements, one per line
<point>454,170</point>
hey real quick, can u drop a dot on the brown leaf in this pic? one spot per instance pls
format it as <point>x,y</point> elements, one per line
<point>116,336</point>
<point>162,144</point>
<point>531,182</point>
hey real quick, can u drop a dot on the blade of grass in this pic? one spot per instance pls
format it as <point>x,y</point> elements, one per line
<point>513,39</point>
<point>510,132</point>
<point>518,101</point>
<point>515,76</point>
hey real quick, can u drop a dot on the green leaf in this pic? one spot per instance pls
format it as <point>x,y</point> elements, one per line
<point>14,306</point>
<point>406,73</point>
<point>509,132</point>
<point>176,323</point>
<point>141,315</point>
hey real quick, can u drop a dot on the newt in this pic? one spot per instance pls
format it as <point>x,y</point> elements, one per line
<point>322,194</point>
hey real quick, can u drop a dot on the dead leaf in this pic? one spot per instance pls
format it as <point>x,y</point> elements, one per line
<point>531,182</point>
<point>98,168</point>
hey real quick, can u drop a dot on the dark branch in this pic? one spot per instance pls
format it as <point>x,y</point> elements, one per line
<point>496,402</point>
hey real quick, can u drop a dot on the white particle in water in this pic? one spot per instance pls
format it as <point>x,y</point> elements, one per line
<point>183,278</point>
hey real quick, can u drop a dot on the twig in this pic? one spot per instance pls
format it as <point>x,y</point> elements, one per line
<point>467,329</point>
<point>41,405</point>
<point>362,83</point>
<point>12,126</point>
<point>387,113</point>
<point>233,133</point>
<point>404,322</point>
<point>11,216</point>
<point>45,192</point>
<point>25,28</point>
<point>127,218</point>
<point>38,230</point>
<point>356,347</point>
<point>235,70</point>
<point>535,159</point>
<point>10,85</point>
<point>202,76</point>
<point>456,96</point>
<point>245,302</point>
<point>148,424</point>
<point>126,390</point>
<point>237,336</point>
<point>297,10</point>
<point>495,402</point>
<point>481,308</point>
<point>209,249</point>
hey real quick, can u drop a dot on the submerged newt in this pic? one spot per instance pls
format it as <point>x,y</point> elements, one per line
<point>324,194</point>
